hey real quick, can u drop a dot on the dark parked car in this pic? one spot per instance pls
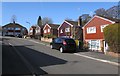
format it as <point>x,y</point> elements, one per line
<point>63,44</point>
<point>19,36</point>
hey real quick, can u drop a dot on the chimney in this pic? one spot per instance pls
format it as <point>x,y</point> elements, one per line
<point>13,21</point>
<point>80,21</point>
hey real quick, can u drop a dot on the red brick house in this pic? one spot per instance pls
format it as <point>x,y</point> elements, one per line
<point>71,29</point>
<point>50,30</point>
<point>93,32</point>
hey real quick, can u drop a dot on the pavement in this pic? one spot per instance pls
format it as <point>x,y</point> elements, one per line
<point>89,54</point>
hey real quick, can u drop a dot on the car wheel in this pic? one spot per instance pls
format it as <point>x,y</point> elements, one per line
<point>51,46</point>
<point>61,49</point>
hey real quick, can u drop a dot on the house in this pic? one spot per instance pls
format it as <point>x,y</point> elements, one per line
<point>36,32</point>
<point>50,30</point>
<point>93,33</point>
<point>13,29</point>
<point>32,31</point>
<point>71,29</point>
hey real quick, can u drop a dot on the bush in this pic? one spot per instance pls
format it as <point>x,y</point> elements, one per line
<point>86,46</point>
<point>49,36</point>
<point>111,35</point>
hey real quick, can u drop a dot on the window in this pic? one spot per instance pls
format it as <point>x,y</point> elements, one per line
<point>17,28</point>
<point>48,30</point>
<point>45,31</point>
<point>31,30</point>
<point>17,33</point>
<point>23,29</point>
<point>10,33</point>
<point>10,28</point>
<point>61,31</point>
<point>67,29</point>
<point>103,26</point>
<point>91,30</point>
<point>36,31</point>
<point>4,28</point>
<point>58,40</point>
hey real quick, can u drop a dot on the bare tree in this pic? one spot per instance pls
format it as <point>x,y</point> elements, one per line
<point>101,12</point>
<point>69,19</point>
<point>13,18</point>
<point>46,20</point>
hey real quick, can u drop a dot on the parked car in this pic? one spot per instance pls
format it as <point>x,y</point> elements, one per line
<point>63,44</point>
<point>19,36</point>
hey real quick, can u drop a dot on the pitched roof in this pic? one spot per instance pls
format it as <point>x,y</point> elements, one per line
<point>54,26</point>
<point>74,23</point>
<point>100,18</point>
<point>13,25</point>
<point>112,19</point>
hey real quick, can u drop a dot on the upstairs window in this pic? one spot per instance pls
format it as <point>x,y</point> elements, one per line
<point>4,28</point>
<point>17,28</point>
<point>10,28</point>
<point>103,26</point>
<point>61,31</point>
<point>45,31</point>
<point>48,30</point>
<point>91,30</point>
<point>67,29</point>
<point>31,30</point>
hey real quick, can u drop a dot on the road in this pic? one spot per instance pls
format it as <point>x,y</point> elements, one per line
<point>25,57</point>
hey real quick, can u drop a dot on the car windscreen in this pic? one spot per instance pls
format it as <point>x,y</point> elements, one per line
<point>69,40</point>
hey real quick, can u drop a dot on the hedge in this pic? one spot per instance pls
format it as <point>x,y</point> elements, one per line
<point>112,34</point>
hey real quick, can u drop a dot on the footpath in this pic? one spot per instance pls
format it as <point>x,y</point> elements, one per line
<point>89,54</point>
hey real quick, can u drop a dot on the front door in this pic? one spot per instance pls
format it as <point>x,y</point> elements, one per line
<point>94,44</point>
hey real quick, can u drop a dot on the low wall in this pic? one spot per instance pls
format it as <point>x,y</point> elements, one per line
<point>113,54</point>
<point>46,39</point>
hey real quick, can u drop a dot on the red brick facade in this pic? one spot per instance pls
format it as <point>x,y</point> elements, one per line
<point>97,22</point>
<point>61,31</point>
<point>50,29</point>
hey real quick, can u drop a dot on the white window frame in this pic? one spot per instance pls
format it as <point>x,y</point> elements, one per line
<point>67,29</point>
<point>10,33</point>
<point>17,28</point>
<point>91,30</point>
<point>48,30</point>
<point>45,31</point>
<point>36,31</point>
<point>10,28</point>
<point>103,26</point>
<point>61,31</point>
<point>31,30</point>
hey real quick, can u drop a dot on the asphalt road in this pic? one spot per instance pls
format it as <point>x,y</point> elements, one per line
<point>23,57</point>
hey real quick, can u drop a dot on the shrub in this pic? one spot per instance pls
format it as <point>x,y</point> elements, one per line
<point>111,34</point>
<point>86,46</point>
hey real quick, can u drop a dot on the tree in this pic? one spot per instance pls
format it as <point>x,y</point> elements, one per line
<point>39,22</point>
<point>46,20</point>
<point>101,12</point>
<point>13,18</point>
<point>69,19</point>
<point>113,12</point>
<point>111,34</point>
<point>85,18</point>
